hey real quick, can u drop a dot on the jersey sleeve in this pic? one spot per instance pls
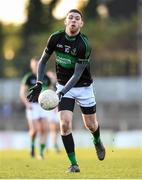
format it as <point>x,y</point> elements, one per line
<point>51,43</point>
<point>84,51</point>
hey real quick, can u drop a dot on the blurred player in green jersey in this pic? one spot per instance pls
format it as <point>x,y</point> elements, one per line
<point>36,116</point>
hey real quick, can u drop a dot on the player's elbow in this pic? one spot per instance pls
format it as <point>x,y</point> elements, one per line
<point>76,78</point>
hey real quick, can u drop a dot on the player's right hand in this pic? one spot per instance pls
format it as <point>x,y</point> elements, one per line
<point>34,92</point>
<point>60,95</point>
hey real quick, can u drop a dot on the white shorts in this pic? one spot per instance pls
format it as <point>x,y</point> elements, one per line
<point>53,116</point>
<point>84,96</point>
<point>36,112</point>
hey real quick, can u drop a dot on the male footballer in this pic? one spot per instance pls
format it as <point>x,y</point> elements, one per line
<point>74,83</point>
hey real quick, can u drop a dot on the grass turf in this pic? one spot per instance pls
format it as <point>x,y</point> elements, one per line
<point>119,164</point>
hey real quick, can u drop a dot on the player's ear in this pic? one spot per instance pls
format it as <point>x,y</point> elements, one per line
<point>82,23</point>
<point>65,23</point>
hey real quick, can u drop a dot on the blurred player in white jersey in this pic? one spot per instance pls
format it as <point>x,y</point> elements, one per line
<point>53,117</point>
<point>36,116</point>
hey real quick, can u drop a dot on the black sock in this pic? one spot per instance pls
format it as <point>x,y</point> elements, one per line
<point>69,147</point>
<point>96,136</point>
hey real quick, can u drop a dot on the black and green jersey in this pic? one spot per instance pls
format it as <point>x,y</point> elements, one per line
<point>69,51</point>
<point>30,80</point>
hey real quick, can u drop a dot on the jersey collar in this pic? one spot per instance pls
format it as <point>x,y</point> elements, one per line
<point>71,38</point>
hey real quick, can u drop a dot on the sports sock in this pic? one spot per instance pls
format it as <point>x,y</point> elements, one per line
<point>42,147</point>
<point>69,147</point>
<point>56,147</point>
<point>32,143</point>
<point>96,136</point>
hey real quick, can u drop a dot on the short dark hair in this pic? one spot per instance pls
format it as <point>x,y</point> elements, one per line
<point>75,11</point>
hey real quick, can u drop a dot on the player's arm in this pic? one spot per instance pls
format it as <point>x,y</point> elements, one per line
<point>24,90</point>
<point>41,65</point>
<point>35,91</point>
<point>45,57</point>
<point>23,95</point>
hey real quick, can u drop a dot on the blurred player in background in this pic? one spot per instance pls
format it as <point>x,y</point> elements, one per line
<point>72,50</point>
<point>53,116</point>
<point>36,116</point>
<point>53,78</point>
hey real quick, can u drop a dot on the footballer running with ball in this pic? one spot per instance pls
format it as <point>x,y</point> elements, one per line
<point>74,83</point>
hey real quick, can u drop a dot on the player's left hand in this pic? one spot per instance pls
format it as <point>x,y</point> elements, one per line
<point>34,92</point>
<point>60,95</point>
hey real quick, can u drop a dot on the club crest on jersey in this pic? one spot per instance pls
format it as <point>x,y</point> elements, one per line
<point>59,45</point>
<point>67,48</point>
<point>33,81</point>
<point>73,51</point>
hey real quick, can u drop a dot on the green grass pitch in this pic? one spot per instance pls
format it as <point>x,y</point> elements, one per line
<point>119,164</point>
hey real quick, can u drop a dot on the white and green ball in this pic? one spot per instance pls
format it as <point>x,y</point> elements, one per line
<point>48,99</point>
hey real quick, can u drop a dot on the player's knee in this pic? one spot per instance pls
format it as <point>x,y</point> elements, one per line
<point>43,131</point>
<point>32,132</point>
<point>65,128</point>
<point>90,126</point>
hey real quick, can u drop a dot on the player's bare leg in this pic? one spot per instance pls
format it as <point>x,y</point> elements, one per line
<point>54,129</point>
<point>33,133</point>
<point>67,138</point>
<point>91,123</point>
<point>43,132</point>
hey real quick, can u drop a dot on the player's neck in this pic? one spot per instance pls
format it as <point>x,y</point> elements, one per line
<point>70,33</point>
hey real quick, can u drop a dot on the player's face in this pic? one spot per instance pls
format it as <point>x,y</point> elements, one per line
<point>73,23</point>
<point>33,65</point>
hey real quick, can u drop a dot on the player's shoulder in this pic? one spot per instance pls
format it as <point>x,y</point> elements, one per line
<point>55,36</point>
<point>84,41</point>
<point>83,35</point>
<point>26,77</point>
<point>57,33</point>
